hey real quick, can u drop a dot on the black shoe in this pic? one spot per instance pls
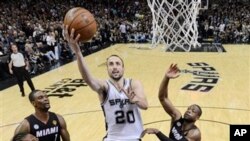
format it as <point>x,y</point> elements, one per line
<point>23,94</point>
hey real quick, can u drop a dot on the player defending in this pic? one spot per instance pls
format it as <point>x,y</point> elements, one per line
<point>120,97</point>
<point>182,129</point>
<point>45,125</point>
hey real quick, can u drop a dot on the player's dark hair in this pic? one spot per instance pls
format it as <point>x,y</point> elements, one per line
<point>114,55</point>
<point>31,95</point>
<point>200,113</point>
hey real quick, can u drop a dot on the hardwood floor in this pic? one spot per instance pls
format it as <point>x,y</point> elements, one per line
<point>218,82</point>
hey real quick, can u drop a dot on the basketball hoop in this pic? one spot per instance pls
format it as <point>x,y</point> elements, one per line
<point>174,23</point>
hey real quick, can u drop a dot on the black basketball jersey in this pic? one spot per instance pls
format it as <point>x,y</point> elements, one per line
<point>176,132</point>
<point>45,132</point>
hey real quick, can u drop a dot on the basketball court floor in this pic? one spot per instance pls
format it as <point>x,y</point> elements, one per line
<point>218,82</point>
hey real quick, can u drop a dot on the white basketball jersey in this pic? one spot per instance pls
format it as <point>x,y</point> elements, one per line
<point>123,119</point>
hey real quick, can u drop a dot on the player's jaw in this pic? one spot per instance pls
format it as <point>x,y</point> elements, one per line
<point>116,75</point>
<point>188,117</point>
<point>44,106</point>
<point>47,105</point>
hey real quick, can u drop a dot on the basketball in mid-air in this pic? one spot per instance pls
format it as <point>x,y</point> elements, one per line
<point>82,21</point>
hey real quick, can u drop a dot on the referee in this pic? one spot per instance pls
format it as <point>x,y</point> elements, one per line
<point>19,66</point>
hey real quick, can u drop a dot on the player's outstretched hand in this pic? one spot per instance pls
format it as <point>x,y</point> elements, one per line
<point>149,131</point>
<point>173,71</point>
<point>130,94</point>
<point>73,41</point>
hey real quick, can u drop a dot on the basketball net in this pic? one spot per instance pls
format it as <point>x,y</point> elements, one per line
<point>174,23</point>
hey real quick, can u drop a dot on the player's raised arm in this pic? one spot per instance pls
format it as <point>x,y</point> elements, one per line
<point>172,72</point>
<point>94,83</point>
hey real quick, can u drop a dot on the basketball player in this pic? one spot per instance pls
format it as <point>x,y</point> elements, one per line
<point>24,137</point>
<point>120,97</point>
<point>182,128</point>
<point>19,67</point>
<point>45,125</point>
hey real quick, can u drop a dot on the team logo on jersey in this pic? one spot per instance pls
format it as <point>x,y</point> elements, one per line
<point>36,126</point>
<point>47,131</point>
<point>54,122</point>
<point>177,135</point>
<point>120,102</point>
<point>178,124</point>
<point>204,77</point>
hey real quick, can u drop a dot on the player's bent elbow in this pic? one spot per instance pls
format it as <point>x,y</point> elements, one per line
<point>161,98</point>
<point>143,106</point>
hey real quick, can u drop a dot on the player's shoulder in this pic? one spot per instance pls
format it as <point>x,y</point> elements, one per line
<point>104,84</point>
<point>60,118</point>
<point>25,122</point>
<point>135,82</point>
<point>195,134</point>
<point>58,115</point>
<point>24,125</point>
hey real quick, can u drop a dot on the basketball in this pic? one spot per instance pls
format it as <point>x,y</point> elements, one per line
<point>82,21</point>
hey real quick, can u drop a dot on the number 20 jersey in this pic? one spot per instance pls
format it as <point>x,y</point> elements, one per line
<point>123,119</point>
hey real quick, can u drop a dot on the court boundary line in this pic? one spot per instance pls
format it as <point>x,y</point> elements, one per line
<point>94,111</point>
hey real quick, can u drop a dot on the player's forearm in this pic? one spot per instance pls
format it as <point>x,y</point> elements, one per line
<point>86,75</point>
<point>162,137</point>
<point>142,104</point>
<point>138,96</point>
<point>163,90</point>
<point>83,67</point>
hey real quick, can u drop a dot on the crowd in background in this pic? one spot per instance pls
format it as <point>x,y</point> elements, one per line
<point>36,26</point>
<point>226,22</point>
